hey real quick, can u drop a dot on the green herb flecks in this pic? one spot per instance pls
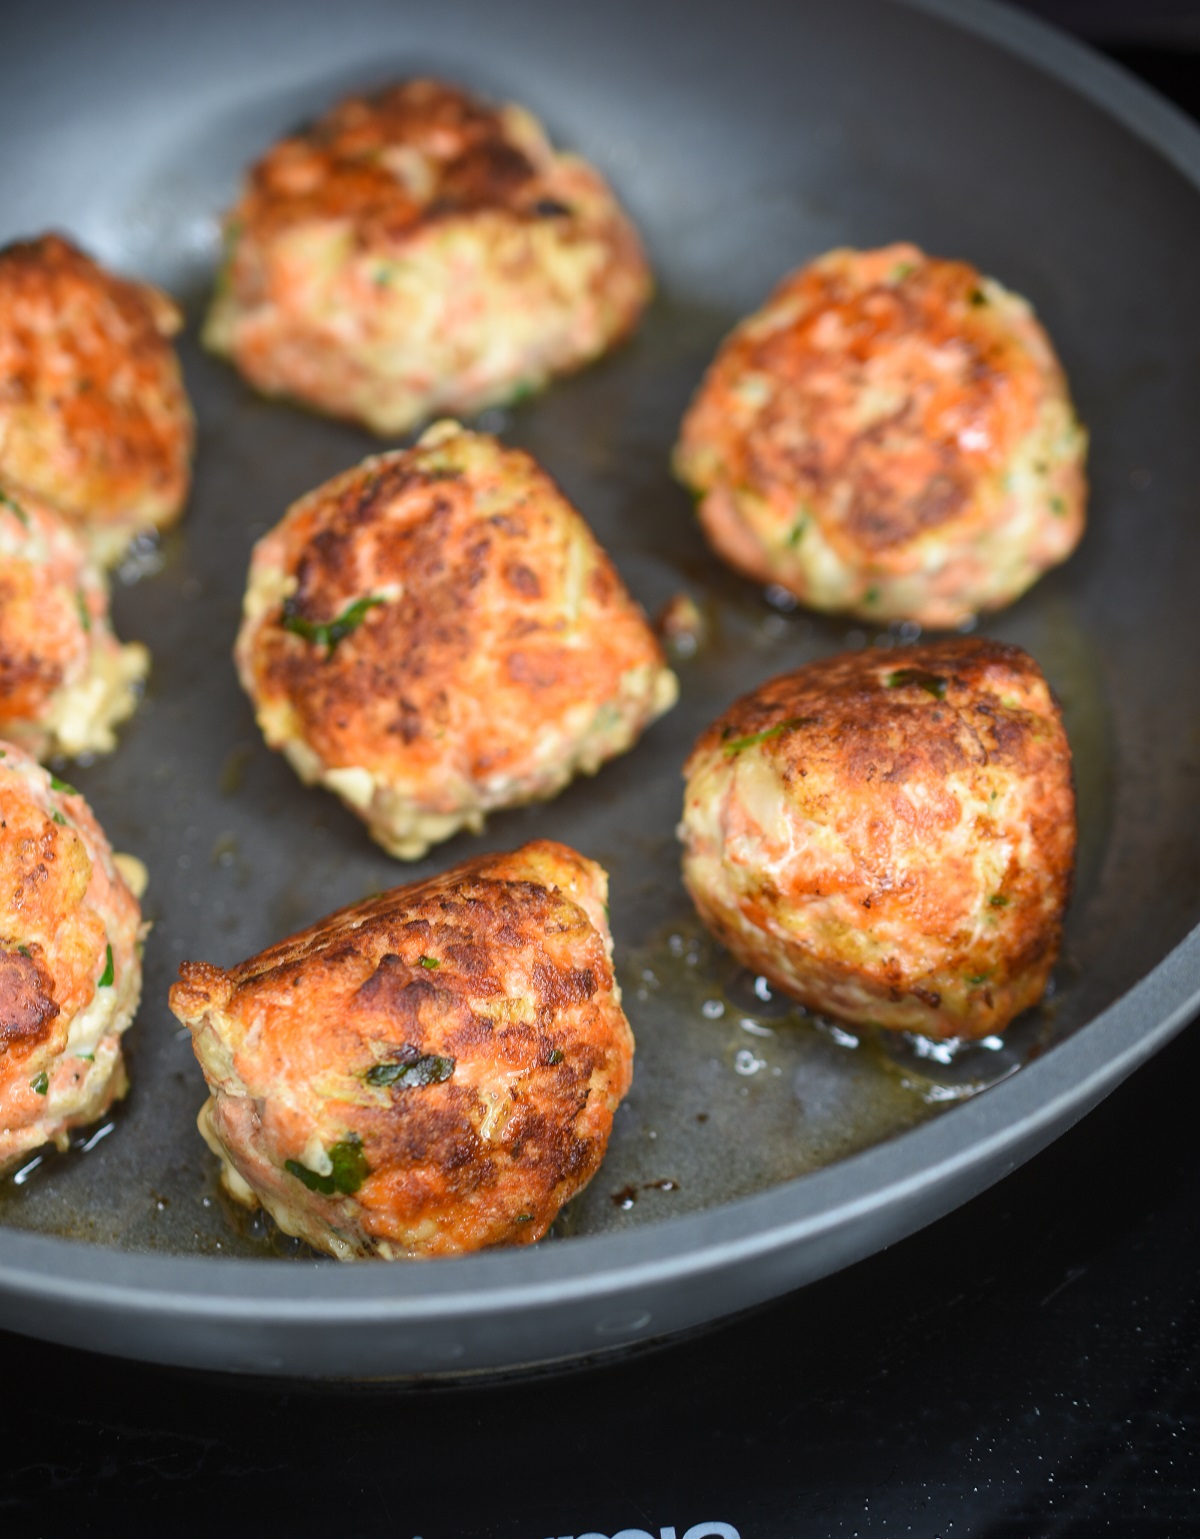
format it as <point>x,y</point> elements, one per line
<point>104,981</point>
<point>25,951</point>
<point>797,532</point>
<point>57,817</point>
<point>85,617</point>
<point>412,1073</point>
<point>931,683</point>
<point>901,271</point>
<point>997,900</point>
<point>523,1218</point>
<point>13,506</point>
<point>41,1084</point>
<point>976,979</point>
<point>328,633</point>
<point>430,962</point>
<point>86,1057</point>
<point>349,1169</point>
<point>735,745</point>
<point>978,297</point>
<point>872,596</point>
<point>556,1055</point>
<point>63,786</point>
<point>1058,507</point>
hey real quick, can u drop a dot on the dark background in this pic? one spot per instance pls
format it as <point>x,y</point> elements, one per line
<point>1028,1366</point>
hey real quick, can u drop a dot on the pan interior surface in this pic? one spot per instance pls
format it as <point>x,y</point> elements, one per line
<point>741,153</point>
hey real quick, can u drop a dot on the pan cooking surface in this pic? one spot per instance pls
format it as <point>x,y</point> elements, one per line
<point>740,156</point>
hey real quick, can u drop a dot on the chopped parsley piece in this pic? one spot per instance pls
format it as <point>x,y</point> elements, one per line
<point>1058,506</point>
<point>735,745</point>
<point>412,1073</point>
<point>41,1084</point>
<point>871,596</point>
<point>523,1218</point>
<point>86,1057</point>
<point>85,618</point>
<point>13,506</point>
<point>24,950</point>
<point>104,981</point>
<point>430,962</point>
<point>978,297</point>
<point>61,785</point>
<point>349,1169</point>
<point>328,633</point>
<point>929,682</point>
<point>998,900</point>
<point>57,817</point>
<point>797,531</point>
<point>556,1055</point>
<point>975,979</point>
<point>901,271</point>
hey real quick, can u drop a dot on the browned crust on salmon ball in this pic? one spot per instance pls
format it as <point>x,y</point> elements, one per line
<point>65,680</point>
<point>93,415</point>
<point>889,835</point>
<point>436,634</point>
<point>889,435</point>
<point>421,250</point>
<point>70,960</point>
<point>426,1072</point>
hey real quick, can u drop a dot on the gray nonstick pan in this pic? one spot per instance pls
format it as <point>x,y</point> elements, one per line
<point>759,1148</point>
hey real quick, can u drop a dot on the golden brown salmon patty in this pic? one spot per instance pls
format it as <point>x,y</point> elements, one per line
<point>70,959</point>
<point>890,435</point>
<point>93,415</point>
<point>889,836</point>
<point>427,1072</point>
<point>421,251</point>
<point>436,633</point>
<point>65,680</point>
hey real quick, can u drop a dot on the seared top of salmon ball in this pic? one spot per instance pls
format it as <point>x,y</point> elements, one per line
<point>421,250</point>
<point>890,834</point>
<point>427,1072</point>
<point>93,415</point>
<point>70,960</point>
<point>890,435</point>
<point>65,680</point>
<point>436,633</point>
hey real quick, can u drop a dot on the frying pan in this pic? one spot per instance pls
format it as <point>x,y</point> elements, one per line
<point>759,1149</point>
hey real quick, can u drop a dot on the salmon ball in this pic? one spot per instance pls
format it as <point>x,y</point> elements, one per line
<point>421,251</point>
<point>93,414</point>
<point>65,680</point>
<point>430,1071</point>
<point>889,835</point>
<point>889,436</point>
<point>436,634</point>
<point>70,959</point>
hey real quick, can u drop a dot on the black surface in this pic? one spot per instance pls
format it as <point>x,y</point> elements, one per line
<point>1028,1366</point>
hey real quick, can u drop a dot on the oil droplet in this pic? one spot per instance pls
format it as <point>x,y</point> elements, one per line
<point>746,1061</point>
<point>224,850</point>
<point>23,1175</point>
<point>101,1132</point>
<point>756,1028</point>
<point>713,1009</point>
